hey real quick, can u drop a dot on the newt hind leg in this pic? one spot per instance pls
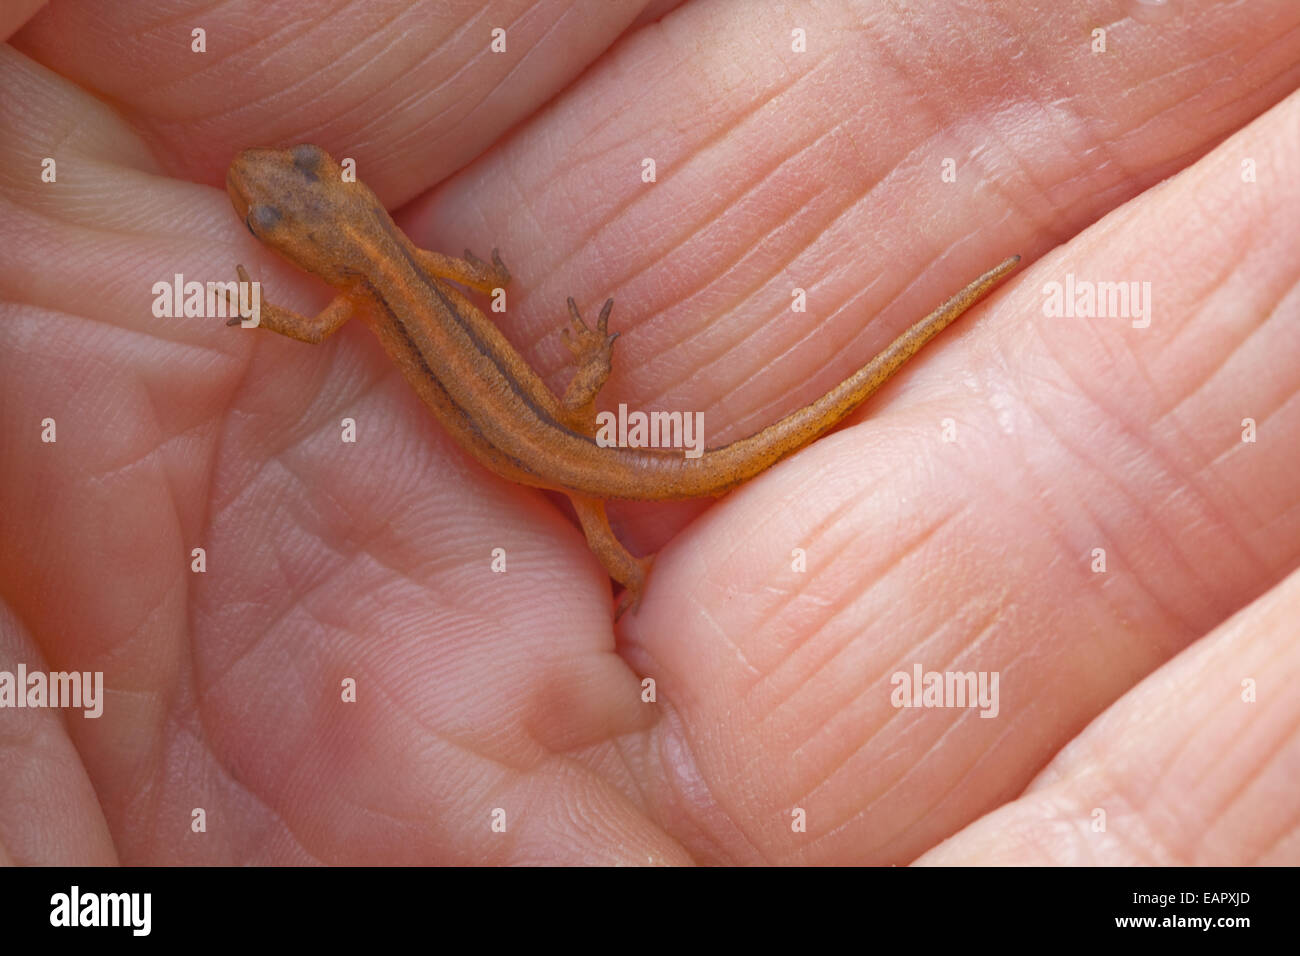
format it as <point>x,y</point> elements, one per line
<point>624,567</point>
<point>592,351</point>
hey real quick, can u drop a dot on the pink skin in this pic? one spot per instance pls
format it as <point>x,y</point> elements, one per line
<point>774,171</point>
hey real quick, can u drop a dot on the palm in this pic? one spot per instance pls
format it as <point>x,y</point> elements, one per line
<point>371,561</point>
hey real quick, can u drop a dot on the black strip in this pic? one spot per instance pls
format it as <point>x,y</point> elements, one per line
<point>424,366</point>
<point>538,412</point>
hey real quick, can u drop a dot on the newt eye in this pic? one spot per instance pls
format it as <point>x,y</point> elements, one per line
<point>262,219</point>
<point>307,158</point>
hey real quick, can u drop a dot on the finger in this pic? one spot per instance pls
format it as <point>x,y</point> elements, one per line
<point>411,95</point>
<point>1193,767</point>
<point>413,116</point>
<point>49,814</point>
<point>980,553</point>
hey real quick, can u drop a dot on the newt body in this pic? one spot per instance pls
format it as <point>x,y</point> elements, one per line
<point>480,388</point>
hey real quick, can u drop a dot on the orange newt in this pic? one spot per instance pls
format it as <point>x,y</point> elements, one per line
<point>481,389</point>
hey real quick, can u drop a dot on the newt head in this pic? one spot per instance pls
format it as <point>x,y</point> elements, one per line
<point>295,201</point>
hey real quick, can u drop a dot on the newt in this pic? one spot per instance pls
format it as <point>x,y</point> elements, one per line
<point>480,388</point>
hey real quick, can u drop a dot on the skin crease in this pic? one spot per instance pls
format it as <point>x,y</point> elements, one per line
<point>478,691</point>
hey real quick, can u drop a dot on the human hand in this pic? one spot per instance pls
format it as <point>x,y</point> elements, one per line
<point>479,692</point>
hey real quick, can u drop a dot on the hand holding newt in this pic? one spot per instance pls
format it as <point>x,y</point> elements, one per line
<point>366,568</point>
<point>479,387</point>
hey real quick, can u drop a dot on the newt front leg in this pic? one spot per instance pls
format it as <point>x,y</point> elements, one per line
<point>295,325</point>
<point>592,351</point>
<point>471,271</point>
